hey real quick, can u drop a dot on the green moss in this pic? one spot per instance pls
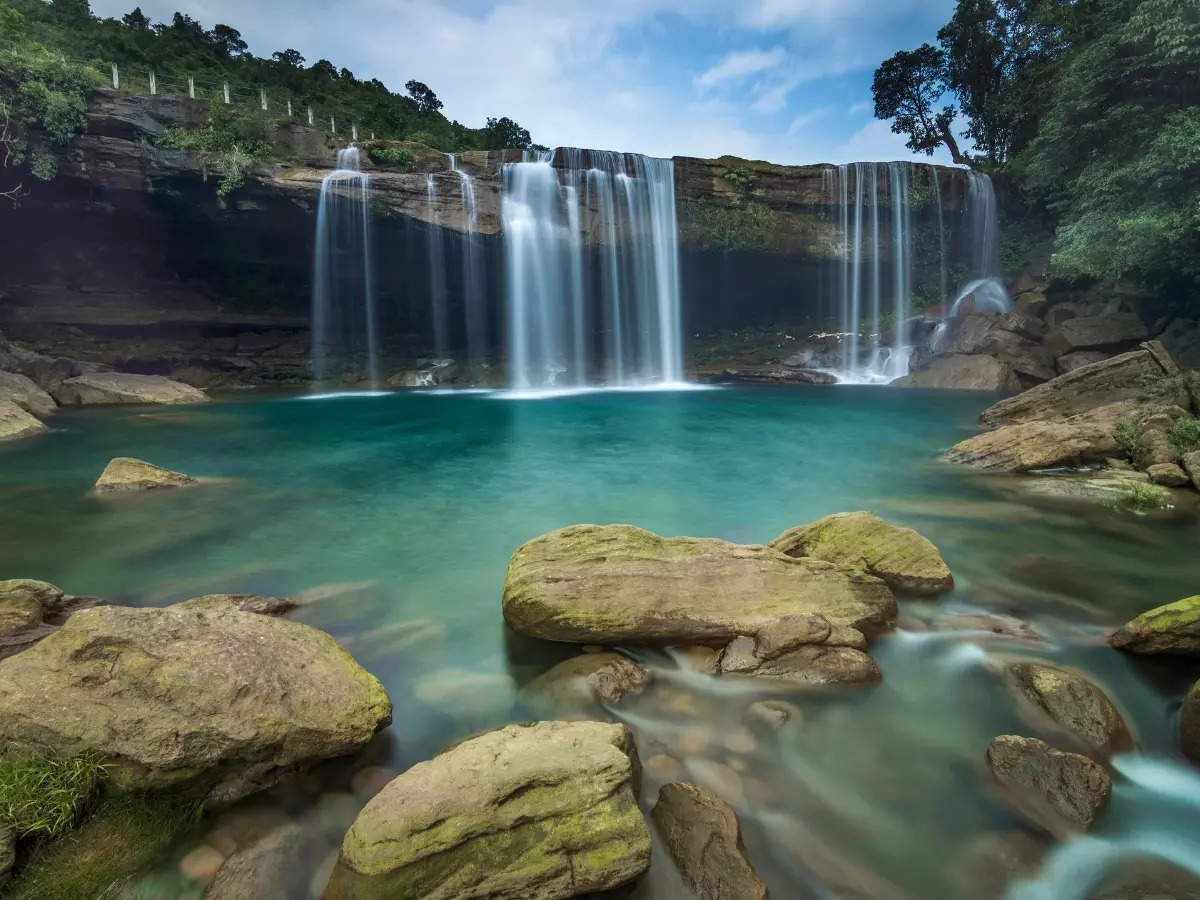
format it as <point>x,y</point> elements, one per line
<point>42,796</point>
<point>1131,439</point>
<point>125,835</point>
<point>1184,435</point>
<point>1173,616</point>
<point>744,226</point>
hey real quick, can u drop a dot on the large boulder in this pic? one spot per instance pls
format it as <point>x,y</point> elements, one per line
<point>124,474</point>
<point>703,836</point>
<point>526,812</point>
<point>974,372</point>
<point>1112,330</point>
<point>619,584</point>
<point>1173,628</point>
<point>1189,723</point>
<point>31,610</point>
<point>27,395</point>
<point>209,700</point>
<point>120,387</point>
<point>1131,376</point>
<point>1024,446</point>
<point>900,556</point>
<point>1068,700</point>
<point>16,423</point>
<point>1069,362</point>
<point>272,866</point>
<point>1063,793</point>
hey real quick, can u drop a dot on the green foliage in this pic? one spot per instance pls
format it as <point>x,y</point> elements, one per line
<point>745,226</point>
<point>44,797</point>
<point>184,47</point>
<point>1140,497</point>
<point>742,179</point>
<point>907,89</point>
<point>123,837</point>
<point>230,143</point>
<point>1130,438</point>
<point>392,156</point>
<point>1184,435</point>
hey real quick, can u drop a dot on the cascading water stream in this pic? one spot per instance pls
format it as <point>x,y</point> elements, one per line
<point>592,262</point>
<point>343,303</point>
<point>472,268</point>
<point>437,273</point>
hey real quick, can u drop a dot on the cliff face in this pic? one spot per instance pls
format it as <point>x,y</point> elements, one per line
<point>129,257</point>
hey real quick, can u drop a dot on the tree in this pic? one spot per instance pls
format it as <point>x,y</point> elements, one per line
<point>136,20</point>
<point>324,69</point>
<point>227,41</point>
<point>504,133</point>
<point>907,90</point>
<point>289,57</point>
<point>427,101</point>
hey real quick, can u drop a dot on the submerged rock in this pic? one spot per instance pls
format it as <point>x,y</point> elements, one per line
<point>609,584</point>
<point>801,650</point>
<point>215,702</point>
<point>1173,628</point>
<point>1060,792</point>
<point>26,394</point>
<point>703,836</point>
<point>537,811</point>
<point>992,862</point>
<point>579,684</point>
<point>1167,474</point>
<point>16,423</point>
<point>900,556</point>
<point>120,387</point>
<point>124,473</point>
<point>1148,878</point>
<point>1073,703</point>
<point>269,867</point>
<point>1189,723</point>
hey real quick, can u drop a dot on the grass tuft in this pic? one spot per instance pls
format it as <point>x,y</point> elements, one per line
<point>44,797</point>
<point>1140,497</point>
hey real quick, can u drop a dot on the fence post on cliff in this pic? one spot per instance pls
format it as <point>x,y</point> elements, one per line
<point>153,84</point>
<point>225,89</point>
<point>116,78</point>
<point>191,87</point>
<point>262,97</point>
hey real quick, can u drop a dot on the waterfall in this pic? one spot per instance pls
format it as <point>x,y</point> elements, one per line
<point>343,298</point>
<point>874,300</point>
<point>437,273</point>
<point>472,269</point>
<point>985,290</point>
<point>592,266</point>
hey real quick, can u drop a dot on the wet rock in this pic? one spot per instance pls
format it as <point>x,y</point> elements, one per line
<point>705,660</point>
<point>119,387</point>
<point>1112,330</point>
<point>900,556</point>
<point>16,423</point>
<point>989,623</point>
<point>777,375</point>
<point>662,767</point>
<point>703,836</point>
<point>964,373</point>
<point>620,584</point>
<point>124,474</point>
<point>1167,474</point>
<point>1128,377</point>
<point>1073,703</point>
<point>812,665</point>
<point>270,867</point>
<point>1173,628</point>
<point>691,741</point>
<point>215,702</point>
<point>1025,446</point>
<point>994,861</point>
<point>774,713</point>
<point>1060,792</point>
<point>1149,879</point>
<point>1191,464</point>
<point>1189,723</point>
<point>200,864</point>
<point>579,684</point>
<point>1109,487</point>
<point>252,603</point>
<point>245,824</point>
<point>24,393</point>
<point>539,811</point>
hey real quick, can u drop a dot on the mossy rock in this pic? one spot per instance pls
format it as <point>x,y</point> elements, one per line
<point>538,811</point>
<point>1071,702</point>
<point>211,701</point>
<point>900,556</point>
<point>618,584</point>
<point>1173,628</point>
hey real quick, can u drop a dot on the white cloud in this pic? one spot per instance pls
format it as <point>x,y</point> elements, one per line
<point>739,65</point>
<point>803,120</point>
<point>861,107</point>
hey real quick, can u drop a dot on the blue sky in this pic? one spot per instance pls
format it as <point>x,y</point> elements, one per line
<point>784,80</point>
